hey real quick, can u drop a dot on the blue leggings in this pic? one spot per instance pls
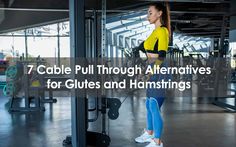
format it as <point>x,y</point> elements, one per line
<point>154,101</point>
<point>154,119</point>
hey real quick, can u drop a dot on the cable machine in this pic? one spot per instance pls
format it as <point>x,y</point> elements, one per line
<point>86,48</point>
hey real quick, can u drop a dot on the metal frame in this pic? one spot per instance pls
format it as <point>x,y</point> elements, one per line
<point>124,17</point>
<point>77,42</point>
<point>220,47</point>
<point>125,25</point>
<point>103,31</point>
<point>58,45</point>
<point>225,105</point>
<point>26,45</point>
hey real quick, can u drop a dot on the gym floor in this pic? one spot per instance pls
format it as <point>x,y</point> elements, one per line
<point>188,122</point>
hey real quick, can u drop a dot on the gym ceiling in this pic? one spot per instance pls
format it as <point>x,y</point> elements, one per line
<point>191,17</point>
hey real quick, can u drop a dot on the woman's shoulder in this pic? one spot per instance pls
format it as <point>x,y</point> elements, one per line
<point>161,30</point>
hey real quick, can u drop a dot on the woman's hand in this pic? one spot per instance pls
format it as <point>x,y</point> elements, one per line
<point>147,77</point>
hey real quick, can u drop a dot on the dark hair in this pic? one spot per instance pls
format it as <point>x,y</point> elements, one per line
<point>165,18</point>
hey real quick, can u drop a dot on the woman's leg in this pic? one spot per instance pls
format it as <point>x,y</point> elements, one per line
<point>149,120</point>
<point>154,105</point>
<point>147,136</point>
<point>156,98</point>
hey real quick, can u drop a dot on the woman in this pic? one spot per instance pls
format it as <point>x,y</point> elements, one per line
<point>156,46</point>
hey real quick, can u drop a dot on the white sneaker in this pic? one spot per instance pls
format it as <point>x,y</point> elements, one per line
<point>153,144</point>
<point>145,137</point>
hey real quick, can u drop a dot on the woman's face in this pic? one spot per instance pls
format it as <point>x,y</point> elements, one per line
<point>153,14</point>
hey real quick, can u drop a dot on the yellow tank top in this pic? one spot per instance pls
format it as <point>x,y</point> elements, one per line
<point>157,41</point>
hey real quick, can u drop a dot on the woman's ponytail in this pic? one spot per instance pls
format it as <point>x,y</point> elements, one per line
<point>165,18</point>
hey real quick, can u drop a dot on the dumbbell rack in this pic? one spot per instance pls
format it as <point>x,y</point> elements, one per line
<point>29,100</point>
